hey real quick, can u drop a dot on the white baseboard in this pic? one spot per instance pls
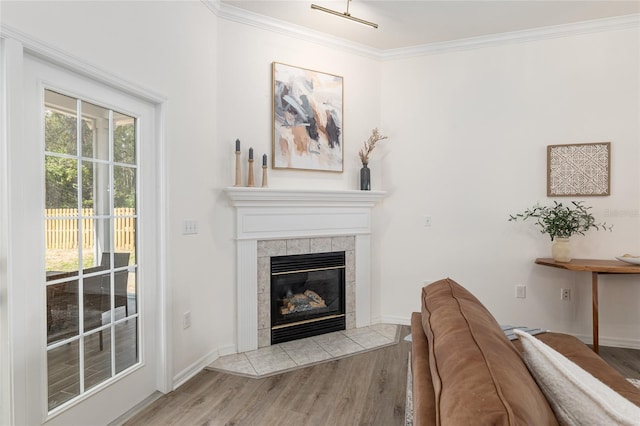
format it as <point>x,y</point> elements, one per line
<point>138,408</point>
<point>393,319</point>
<point>186,374</point>
<point>227,350</point>
<point>614,342</point>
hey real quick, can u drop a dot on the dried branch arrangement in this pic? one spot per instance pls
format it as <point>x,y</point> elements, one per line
<point>370,144</point>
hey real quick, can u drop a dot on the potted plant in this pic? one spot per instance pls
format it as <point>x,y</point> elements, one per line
<point>561,222</point>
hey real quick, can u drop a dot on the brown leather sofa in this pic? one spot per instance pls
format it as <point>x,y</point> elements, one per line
<point>466,371</point>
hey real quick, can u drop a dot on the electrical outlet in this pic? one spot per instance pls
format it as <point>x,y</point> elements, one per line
<point>565,294</point>
<point>427,221</point>
<point>189,226</point>
<point>521,292</point>
<point>186,320</point>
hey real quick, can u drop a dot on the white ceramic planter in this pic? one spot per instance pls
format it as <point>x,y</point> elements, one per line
<point>561,250</point>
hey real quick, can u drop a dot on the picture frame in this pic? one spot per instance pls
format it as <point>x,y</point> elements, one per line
<point>307,119</point>
<point>579,169</point>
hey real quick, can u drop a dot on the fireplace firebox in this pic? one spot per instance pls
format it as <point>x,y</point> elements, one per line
<point>307,295</point>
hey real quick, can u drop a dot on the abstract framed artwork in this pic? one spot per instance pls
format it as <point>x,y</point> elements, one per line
<point>579,169</point>
<point>307,119</point>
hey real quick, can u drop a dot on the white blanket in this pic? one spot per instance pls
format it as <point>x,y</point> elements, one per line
<point>576,397</point>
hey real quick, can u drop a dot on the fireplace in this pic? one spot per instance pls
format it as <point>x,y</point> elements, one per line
<point>307,295</point>
<point>278,217</point>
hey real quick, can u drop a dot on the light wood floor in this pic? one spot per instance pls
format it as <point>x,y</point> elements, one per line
<point>366,389</point>
<point>626,361</point>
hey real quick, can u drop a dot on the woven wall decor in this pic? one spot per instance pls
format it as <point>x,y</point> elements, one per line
<point>579,169</point>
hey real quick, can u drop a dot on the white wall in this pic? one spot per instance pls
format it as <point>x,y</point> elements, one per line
<point>469,132</point>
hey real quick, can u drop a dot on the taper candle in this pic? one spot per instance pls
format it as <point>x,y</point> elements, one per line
<point>264,175</point>
<point>238,173</point>
<point>250,153</point>
<point>250,181</point>
<point>264,160</point>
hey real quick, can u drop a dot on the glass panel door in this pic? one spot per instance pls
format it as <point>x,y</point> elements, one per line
<point>90,219</point>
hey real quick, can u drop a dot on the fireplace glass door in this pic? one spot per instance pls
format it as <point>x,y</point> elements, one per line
<point>307,295</point>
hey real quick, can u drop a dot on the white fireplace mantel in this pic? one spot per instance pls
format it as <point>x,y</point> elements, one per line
<point>267,214</point>
<point>264,213</point>
<point>254,196</point>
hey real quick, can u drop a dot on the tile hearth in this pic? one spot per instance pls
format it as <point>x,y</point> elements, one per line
<point>295,354</point>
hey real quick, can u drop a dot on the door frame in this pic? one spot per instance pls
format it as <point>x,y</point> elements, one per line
<point>14,361</point>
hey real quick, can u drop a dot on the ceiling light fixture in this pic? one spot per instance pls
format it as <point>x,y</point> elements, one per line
<point>345,14</point>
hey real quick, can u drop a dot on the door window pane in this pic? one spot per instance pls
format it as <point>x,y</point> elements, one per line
<point>62,310</point>
<point>90,223</point>
<point>125,234</point>
<point>63,374</point>
<point>61,242</point>
<point>61,183</point>
<point>132,294</point>
<point>96,131</point>
<point>126,344</point>
<point>124,139</point>
<point>61,123</point>
<point>95,187</point>
<point>97,300</point>
<point>96,238</point>
<point>97,358</point>
<point>124,183</point>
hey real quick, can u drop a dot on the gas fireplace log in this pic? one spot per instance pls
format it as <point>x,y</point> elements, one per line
<point>302,302</point>
<point>315,298</point>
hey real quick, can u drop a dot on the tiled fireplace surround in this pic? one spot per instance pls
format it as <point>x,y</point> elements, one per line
<point>272,222</point>
<point>270,248</point>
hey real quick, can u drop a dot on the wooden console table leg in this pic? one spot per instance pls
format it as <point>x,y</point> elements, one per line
<point>594,296</point>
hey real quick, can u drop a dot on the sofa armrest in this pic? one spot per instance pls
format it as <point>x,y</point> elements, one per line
<point>478,376</point>
<point>424,413</point>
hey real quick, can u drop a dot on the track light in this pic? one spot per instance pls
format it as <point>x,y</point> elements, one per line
<point>345,15</point>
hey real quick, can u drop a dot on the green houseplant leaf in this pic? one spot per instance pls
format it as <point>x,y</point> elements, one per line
<point>560,221</point>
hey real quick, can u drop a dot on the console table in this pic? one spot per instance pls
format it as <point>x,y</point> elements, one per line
<point>596,267</point>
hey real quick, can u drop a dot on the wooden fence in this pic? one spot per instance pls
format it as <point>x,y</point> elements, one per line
<point>61,228</point>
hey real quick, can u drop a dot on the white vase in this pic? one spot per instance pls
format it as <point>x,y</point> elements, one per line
<point>561,250</point>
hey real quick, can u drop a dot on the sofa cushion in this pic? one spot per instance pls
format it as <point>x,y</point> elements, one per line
<point>576,396</point>
<point>478,375</point>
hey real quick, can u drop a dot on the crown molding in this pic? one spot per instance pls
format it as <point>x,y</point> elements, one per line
<point>242,16</point>
<point>225,11</point>
<point>524,36</point>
